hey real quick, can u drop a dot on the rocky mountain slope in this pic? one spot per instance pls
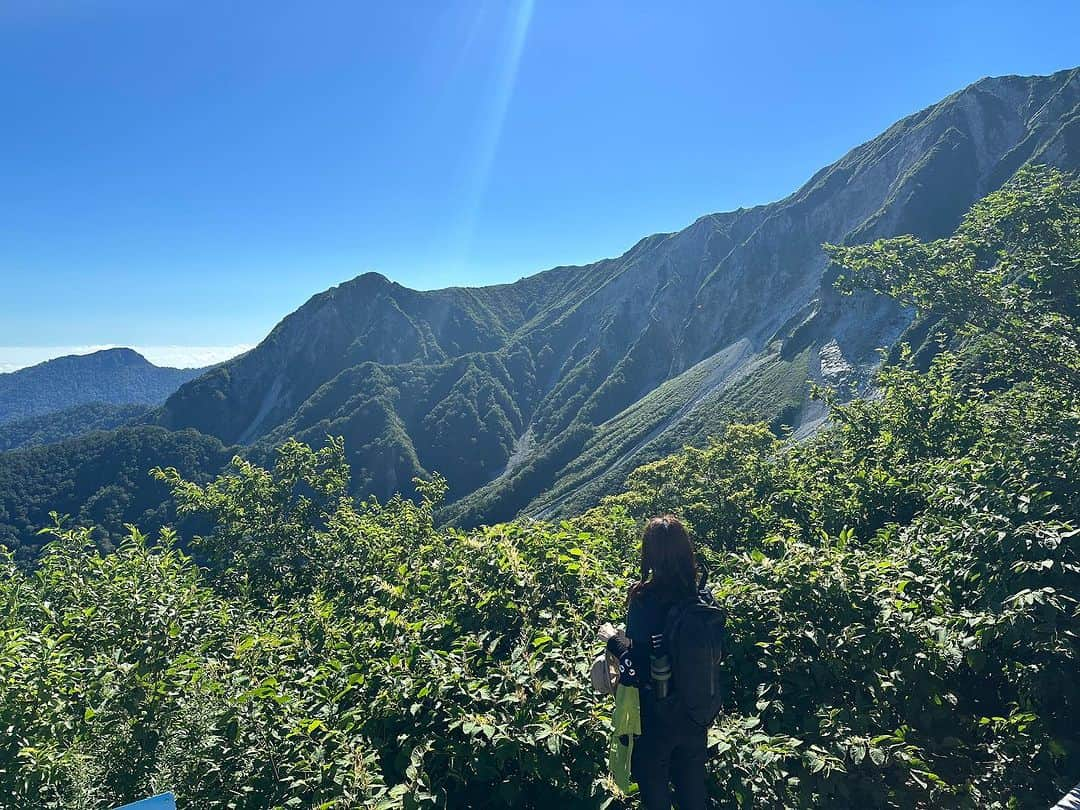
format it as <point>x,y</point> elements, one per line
<point>110,376</point>
<point>539,396</point>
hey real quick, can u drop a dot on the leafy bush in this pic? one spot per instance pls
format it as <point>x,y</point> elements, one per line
<point>445,665</point>
<point>902,595</point>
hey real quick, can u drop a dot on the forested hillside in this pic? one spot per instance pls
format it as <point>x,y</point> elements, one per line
<point>901,592</point>
<point>111,376</point>
<point>67,423</point>
<point>544,394</point>
<point>101,480</point>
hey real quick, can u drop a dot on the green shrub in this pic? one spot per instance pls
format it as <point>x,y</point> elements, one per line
<point>901,590</point>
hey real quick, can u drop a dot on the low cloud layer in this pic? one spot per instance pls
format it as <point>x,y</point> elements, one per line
<point>13,358</point>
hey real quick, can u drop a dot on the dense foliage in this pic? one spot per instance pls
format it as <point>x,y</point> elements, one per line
<point>66,424</point>
<point>101,480</point>
<point>902,592</point>
<point>542,395</point>
<point>114,376</point>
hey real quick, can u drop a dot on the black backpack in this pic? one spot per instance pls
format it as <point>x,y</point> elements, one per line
<point>695,635</point>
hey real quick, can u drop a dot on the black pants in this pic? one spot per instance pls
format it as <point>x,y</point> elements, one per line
<point>670,757</point>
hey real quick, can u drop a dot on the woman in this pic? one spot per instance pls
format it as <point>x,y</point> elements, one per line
<point>671,749</point>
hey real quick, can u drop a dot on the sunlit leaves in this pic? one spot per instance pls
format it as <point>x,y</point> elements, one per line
<point>901,592</point>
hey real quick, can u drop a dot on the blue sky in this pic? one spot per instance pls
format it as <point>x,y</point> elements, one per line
<point>185,174</point>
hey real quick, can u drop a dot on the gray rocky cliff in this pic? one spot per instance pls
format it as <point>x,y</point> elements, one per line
<point>541,395</point>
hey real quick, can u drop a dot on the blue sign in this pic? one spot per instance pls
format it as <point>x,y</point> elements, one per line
<point>166,801</point>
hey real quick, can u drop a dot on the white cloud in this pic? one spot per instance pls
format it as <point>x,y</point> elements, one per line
<point>190,356</point>
<point>16,357</point>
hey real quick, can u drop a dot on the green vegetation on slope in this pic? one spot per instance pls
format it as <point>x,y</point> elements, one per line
<point>902,593</point>
<point>67,424</point>
<point>534,393</point>
<point>101,479</point>
<point>115,376</point>
<point>540,397</point>
<point>772,390</point>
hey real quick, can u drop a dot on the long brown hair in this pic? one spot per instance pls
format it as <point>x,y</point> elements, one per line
<point>668,564</point>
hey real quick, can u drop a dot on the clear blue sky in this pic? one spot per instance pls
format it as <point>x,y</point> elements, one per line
<point>187,173</point>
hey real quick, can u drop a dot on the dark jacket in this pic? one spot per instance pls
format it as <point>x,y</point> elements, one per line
<point>671,749</point>
<point>645,619</point>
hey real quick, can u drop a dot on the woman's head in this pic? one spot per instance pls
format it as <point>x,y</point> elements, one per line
<point>667,559</point>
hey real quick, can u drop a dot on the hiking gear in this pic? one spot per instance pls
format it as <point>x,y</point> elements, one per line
<point>672,747</point>
<point>618,645</point>
<point>674,756</point>
<point>604,674</point>
<point>606,631</point>
<point>695,638</point>
<point>660,668</point>
<point>1070,801</point>
<point>625,729</point>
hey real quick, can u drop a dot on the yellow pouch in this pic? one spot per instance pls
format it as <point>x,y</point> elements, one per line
<point>625,726</point>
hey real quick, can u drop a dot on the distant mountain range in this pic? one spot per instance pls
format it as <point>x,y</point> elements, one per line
<point>539,397</point>
<point>110,377</point>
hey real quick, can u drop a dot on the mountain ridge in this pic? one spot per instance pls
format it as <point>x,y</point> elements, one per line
<point>119,376</point>
<point>538,397</point>
<point>567,362</point>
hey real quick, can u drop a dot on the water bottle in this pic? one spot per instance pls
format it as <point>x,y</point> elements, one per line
<point>660,668</point>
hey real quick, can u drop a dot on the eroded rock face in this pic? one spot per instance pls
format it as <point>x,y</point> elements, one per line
<point>606,365</point>
<point>835,369</point>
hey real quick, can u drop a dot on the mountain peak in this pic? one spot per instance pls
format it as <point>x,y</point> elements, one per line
<point>369,279</point>
<point>542,394</point>
<point>119,354</point>
<point>118,376</point>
